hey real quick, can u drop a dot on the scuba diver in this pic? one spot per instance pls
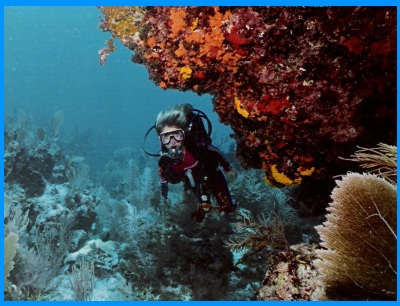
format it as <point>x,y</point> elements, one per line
<point>188,156</point>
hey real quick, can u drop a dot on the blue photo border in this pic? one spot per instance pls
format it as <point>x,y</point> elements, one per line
<point>170,3</point>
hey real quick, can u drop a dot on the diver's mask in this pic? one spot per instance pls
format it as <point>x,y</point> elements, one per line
<point>175,152</point>
<point>178,135</point>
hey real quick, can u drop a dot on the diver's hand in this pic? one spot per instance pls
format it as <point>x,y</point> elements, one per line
<point>228,208</point>
<point>164,190</point>
<point>231,175</point>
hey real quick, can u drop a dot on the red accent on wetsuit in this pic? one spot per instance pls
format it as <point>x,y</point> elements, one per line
<point>188,162</point>
<point>180,168</point>
<point>216,179</point>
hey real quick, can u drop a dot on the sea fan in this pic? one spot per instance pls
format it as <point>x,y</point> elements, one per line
<point>360,239</point>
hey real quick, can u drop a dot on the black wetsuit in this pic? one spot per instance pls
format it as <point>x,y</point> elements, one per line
<point>200,171</point>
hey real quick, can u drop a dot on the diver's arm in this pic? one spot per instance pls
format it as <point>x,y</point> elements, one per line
<point>163,164</point>
<point>220,158</point>
<point>163,184</point>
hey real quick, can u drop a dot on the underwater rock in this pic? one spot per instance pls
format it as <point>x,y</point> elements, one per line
<point>78,239</point>
<point>104,255</point>
<point>122,155</point>
<point>193,256</point>
<point>292,276</point>
<point>300,86</point>
<point>28,165</point>
<point>84,217</point>
<point>59,175</point>
<point>49,208</point>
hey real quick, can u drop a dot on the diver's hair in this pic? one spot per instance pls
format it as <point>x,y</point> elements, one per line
<point>174,116</point>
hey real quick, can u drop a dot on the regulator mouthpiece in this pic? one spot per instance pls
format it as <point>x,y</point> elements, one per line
<point>175,153</point>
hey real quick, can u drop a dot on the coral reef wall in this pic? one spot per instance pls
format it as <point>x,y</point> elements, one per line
<point>299,86</point>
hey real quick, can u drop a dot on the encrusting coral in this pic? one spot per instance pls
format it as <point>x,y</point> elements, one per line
<point>292,276</point>
<point>300,86</point>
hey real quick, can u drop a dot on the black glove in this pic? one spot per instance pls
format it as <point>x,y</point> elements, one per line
<point>198,215</point>
<point>227,208</point>
<point>164,190</point>
<point>164,161</point>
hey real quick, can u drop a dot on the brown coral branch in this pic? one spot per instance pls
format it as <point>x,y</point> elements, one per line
<point>381,161</point>
<point>106,51</point>
<point>383,219</point>
<point>258,235</point>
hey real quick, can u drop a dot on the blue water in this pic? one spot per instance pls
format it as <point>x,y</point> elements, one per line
<point>52,64</point>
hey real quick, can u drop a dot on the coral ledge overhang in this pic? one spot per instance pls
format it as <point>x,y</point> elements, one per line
<point>300,86</point>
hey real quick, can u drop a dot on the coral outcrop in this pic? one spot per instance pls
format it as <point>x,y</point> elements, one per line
<point>29,165</point>
<point>299,86</point>
<point>292,276</point>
